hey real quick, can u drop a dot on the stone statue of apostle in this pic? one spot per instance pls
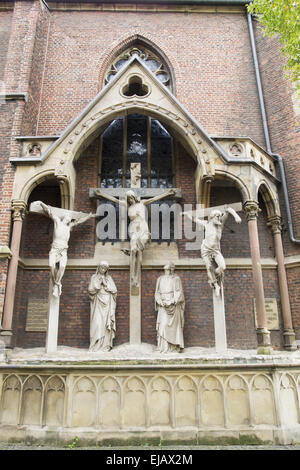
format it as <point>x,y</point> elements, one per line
<point>169,303</point>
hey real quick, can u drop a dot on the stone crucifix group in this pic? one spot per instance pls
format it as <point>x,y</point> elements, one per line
<point>169,295</point>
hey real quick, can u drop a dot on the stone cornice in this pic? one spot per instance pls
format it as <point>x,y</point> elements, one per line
<point>113,4</point>
<point>154,7</point>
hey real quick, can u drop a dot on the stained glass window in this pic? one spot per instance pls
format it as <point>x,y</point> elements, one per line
<point>136,138</point>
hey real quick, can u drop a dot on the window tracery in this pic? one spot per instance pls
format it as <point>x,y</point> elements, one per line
<point>151,60</point>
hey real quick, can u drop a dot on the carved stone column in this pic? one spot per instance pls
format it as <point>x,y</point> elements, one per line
<point>263,335</point>
<point>18,208</point>
<point>274,223</point>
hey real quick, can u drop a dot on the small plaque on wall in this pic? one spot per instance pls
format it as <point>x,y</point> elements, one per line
<point>37,315</point>
<point>271,312</point>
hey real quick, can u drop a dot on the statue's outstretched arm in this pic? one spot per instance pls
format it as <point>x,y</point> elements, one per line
<point>193,218</point>
<point>170,192</point>
<point>83,218</point>
<point>200,222</point>
<point>99,193</point>
<point>47,209</point>
<point>232,212</point>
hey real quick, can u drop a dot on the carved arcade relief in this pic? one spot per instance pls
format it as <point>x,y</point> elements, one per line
<point>217,400</point>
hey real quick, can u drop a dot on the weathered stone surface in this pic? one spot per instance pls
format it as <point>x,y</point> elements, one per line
<point>132,393</point>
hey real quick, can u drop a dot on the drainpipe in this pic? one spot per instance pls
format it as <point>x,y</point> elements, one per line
<point>259,86</point>
<point>277,157</point>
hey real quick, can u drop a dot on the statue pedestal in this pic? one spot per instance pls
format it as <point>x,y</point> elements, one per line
<point>219,321</point>
<point>53,316</point>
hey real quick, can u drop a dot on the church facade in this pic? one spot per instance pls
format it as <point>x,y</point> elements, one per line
<point>185,100</point>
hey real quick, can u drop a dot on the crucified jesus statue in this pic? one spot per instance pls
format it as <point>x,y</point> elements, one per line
<point>138,228</point>
<point>63,225</point>
<point>210,247</point>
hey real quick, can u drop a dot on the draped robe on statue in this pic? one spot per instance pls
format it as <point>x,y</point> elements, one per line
<point>103,293</point>
<point>138,228</point>
<point>169,301</point>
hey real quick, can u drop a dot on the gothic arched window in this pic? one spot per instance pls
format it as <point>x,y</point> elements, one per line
<point>136,139</point>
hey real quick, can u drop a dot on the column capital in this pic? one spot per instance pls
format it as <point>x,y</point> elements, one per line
<point>19,209</point>
<point>275,224</point>
<point>251,209</point>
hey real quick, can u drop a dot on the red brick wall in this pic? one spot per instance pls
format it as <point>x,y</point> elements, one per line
<point>216,87</point>
<point>18,33</point>
<point>83,238</point>
<point>185,167</point>
<point>5,24</point>
<point>235,237</point>
<point>37,63</point>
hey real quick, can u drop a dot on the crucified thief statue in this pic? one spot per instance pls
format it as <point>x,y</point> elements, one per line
<point>210,247</point>
<point>138,228</point>
<point>63,225</point>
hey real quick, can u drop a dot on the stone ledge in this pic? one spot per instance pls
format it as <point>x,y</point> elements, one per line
<point>173,6</point>
<point>5,252</point>
<point>126,355</point>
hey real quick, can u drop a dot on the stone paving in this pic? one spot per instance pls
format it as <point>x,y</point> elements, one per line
<point>73,446</point>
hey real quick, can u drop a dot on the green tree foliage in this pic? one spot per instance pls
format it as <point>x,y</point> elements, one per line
<point>282,17</point>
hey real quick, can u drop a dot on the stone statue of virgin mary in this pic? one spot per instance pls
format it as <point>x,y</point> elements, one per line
<point>103,293</point>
